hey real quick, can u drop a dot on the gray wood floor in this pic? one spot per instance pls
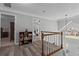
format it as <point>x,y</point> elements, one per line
<point>33,49</point>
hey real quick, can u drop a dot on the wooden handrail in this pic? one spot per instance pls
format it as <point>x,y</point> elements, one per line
<point>50,32</point>
<point>47,33</point>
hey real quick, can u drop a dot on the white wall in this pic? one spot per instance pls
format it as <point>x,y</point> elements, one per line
<point>48,25</point>
<point>22,22</point>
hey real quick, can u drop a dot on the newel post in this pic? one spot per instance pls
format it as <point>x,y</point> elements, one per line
<point>61,39</point>
<point>42,37</point>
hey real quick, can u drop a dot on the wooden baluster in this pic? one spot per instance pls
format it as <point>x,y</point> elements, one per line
<point>57,39</point>
<point>50,44</point>
<point>42,37</point>
<point>61,39</point>
<point>47,44</point>
<point>53,39</point>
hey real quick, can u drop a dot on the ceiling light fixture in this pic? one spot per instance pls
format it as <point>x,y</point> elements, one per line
<point>44,11</point>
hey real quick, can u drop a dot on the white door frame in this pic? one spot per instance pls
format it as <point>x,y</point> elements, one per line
<point>2,12</point>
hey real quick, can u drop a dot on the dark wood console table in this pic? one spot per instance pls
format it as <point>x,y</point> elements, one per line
<point>25,39</point>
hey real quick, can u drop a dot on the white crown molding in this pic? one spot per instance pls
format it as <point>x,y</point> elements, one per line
<point>23,13</point>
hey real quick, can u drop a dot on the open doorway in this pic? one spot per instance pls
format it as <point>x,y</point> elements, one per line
<point>7,29</point>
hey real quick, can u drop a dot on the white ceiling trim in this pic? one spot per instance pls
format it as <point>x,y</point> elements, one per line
<point>20,12</point>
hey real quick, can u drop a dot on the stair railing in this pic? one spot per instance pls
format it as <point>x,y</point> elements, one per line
<point>51,38</point>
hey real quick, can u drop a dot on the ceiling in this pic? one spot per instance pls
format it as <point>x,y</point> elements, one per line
<point>53,11</point>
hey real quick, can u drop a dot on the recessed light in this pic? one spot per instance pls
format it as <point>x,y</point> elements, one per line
<point>43,11</point>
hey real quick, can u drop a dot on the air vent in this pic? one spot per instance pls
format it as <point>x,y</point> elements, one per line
<point>7,5</point>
